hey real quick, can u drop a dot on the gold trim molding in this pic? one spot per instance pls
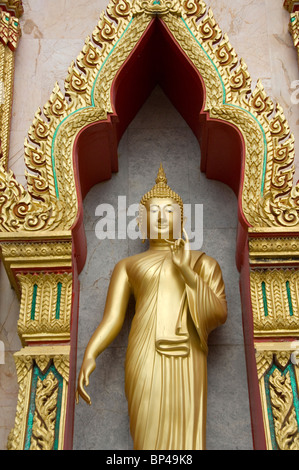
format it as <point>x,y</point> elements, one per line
<point>23,252</point>
<point>265,249</point>
<point>268,248</point>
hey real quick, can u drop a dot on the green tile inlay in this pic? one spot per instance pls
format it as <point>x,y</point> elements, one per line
<point>289,369</point>
<point>265,299</point>
<point>33,305</point>
<point>32,406</point>
<point>57,314</point>
<point>290,298</point>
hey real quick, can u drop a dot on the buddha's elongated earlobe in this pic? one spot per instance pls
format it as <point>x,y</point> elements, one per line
<point>139,224</point>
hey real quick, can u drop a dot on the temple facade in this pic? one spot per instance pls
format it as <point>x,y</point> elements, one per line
<point>94,95</point>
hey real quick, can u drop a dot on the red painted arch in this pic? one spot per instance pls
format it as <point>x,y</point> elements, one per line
<point>158,59</point>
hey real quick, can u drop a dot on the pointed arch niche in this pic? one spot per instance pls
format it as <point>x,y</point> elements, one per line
<point>72,145</point>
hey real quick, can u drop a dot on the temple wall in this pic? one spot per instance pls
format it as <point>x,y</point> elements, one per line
<point>53,35</point>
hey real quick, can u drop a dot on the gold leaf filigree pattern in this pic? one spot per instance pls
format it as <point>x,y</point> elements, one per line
<point>268,196</point>
<point>45,397</point>
<point>278,394</point>
<point>44,420</point>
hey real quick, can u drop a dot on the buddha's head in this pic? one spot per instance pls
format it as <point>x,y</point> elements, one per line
<point>161,211</point>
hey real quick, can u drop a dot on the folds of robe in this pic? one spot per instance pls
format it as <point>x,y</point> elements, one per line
<point>166,376</point>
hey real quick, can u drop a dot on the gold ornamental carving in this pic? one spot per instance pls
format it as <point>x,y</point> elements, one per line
<point>10,33</point>
<point>290,5</point>
<point>39,250</point>
<point>271,250</point>
<point>50,203</point>
<point>275,302</point>
<point>43,428</point>
<point>25,252</point>
<point>268,195</point>
<point>157,8</point>
<point>278,384</point>
<point>45,311</point>
<point>13,6</point>
<point>282,400</point>
<point>40,434</point>
<point>294,30</point>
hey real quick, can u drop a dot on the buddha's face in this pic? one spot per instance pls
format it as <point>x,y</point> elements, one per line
<point>163,219</point>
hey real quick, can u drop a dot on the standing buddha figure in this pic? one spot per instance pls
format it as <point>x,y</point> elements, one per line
<point>180,299</point>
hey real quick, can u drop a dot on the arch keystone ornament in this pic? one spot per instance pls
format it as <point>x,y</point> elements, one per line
<point>72,144</point>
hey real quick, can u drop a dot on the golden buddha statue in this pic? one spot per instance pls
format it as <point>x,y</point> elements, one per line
<point>180,299</point>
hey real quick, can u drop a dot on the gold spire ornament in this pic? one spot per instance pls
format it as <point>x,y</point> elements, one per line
<point>162,190</point>
<point>180,299</point>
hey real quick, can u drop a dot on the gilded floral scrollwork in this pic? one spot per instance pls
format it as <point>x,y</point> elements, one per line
<point>44,419</point>
<point>50,200</point>
<point>43,374</point>
<point>268,195</point>
<point>157,7</point>
<point>278,385</point>
<point>284,414</point>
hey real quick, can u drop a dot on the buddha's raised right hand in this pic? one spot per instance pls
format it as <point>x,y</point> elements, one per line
<point>88,366</point>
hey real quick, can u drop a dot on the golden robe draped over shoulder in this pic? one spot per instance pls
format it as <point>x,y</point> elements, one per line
<point>166,361</point>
